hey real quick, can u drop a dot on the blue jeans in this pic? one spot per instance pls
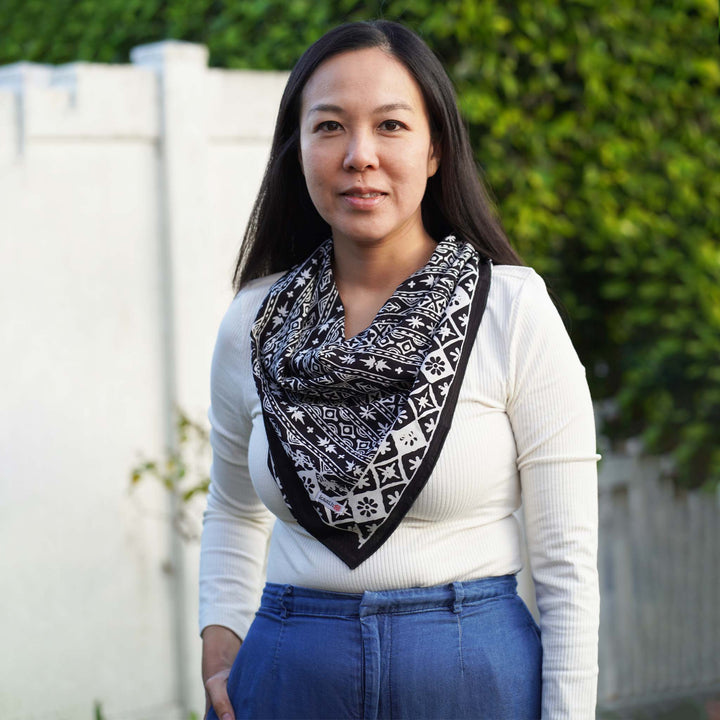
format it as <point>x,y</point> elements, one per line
<point>464,650</point>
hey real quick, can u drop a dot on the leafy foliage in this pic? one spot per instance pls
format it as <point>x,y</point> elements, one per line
<point>182,472</point>
<point>598,128</point>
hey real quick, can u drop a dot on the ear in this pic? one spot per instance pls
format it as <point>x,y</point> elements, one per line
<point>300,160</point>
<point>433,159</point>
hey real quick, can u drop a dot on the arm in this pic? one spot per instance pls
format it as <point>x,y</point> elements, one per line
<point>552,418</point>
<point>236,525</point>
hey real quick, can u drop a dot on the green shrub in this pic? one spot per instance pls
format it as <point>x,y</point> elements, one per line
<point>598,128</point>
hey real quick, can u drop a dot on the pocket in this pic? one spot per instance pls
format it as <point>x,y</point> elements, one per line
<point>529,617</point>
<point>253,667</point>
<point>500,633</point>
<point>503,654</point>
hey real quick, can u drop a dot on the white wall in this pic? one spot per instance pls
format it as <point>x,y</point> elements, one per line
<point>124,192</point>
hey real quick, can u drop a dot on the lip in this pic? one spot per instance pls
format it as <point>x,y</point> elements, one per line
<point>363,198</point>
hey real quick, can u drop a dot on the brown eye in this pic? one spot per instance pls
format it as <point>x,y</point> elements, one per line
<point>329,126</point>
<point>392,125</point>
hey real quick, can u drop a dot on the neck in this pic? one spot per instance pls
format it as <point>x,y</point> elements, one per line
<point>380,267</point>
<point>367,275</point>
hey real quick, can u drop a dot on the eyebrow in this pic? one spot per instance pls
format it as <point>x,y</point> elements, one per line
<point>389,107</point>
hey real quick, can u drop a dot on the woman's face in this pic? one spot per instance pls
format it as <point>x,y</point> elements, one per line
<point>365,147</point>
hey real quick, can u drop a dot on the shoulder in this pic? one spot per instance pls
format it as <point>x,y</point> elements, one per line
<point>248,300</point>
<point>240,316</point>
<point>232,348</point>
<point>524,314</point>
<point>231,378</point>
<point>510,280</point>
<point>516,287</point>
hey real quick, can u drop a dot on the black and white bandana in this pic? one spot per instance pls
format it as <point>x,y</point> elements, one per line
<point>355,426</point>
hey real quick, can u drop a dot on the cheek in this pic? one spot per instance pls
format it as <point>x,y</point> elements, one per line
<point>315,166</point>
<point>414,180</point>
<point>413,165</point>
<point>318,186</point>
<point>316,183</point>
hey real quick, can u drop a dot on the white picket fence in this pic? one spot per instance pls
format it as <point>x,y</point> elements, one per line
<point>659,562</point>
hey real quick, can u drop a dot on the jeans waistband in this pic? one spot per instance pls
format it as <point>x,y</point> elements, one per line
<point>291,599</point>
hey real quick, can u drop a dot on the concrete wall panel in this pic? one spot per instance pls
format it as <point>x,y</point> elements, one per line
<point>124,191</point>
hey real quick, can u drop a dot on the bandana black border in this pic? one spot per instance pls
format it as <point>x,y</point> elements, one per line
<point>343,543</point>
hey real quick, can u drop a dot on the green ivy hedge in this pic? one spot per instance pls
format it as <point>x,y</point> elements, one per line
<point>598,128</point>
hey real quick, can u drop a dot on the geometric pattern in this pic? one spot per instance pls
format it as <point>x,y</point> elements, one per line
<point>355,426</point>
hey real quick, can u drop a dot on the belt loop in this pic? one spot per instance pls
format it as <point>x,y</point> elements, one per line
<point>285,600</point>
<point>459,592</point>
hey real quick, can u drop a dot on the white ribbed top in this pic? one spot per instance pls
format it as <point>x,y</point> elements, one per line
<point>523,426</point>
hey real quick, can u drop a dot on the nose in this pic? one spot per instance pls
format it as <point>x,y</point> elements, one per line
<point>361,153</point>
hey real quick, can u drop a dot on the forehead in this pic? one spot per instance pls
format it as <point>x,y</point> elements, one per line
<point>359,77</point>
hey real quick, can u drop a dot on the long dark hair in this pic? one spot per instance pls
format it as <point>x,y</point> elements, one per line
<point>284,226</point>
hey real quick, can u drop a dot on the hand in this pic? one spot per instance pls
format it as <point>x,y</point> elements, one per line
<point>216,695</point>
<point>220,646</point>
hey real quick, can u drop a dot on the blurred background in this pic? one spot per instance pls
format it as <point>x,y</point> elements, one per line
<point>133,137</point>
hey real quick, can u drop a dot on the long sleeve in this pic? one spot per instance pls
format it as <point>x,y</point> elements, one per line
<point>552,419</point>
<point>236,525</point>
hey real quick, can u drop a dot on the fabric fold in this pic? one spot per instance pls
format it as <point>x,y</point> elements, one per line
<point>355,426</point>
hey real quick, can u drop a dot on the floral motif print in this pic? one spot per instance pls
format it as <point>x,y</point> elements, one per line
<point>367,506</point>
<point>362,413</point>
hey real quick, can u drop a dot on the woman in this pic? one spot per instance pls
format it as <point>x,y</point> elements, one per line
<point>377,412</point>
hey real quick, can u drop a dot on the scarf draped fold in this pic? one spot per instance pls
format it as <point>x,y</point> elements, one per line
<point>355,426</point>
